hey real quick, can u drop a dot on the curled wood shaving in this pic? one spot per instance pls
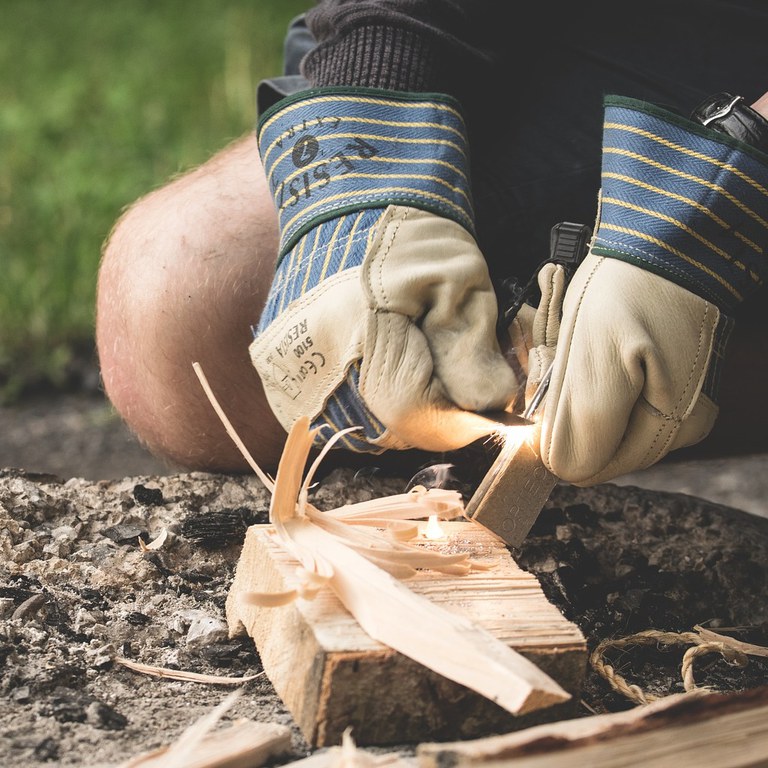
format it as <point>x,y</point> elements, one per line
<point>180,674</point>
<point>349,756</point>
<point>308,587</point>
<point>394,514</point>
<point>156,543</point>
<point>263,476</point>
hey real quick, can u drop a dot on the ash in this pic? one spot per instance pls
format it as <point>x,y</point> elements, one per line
<point>77,590</point>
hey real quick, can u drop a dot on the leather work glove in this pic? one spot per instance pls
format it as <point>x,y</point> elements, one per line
<point>535,330</point>
<point>679,244</point>
<point>382,313</point>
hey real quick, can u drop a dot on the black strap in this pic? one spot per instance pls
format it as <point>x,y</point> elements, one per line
<point>731,115</point>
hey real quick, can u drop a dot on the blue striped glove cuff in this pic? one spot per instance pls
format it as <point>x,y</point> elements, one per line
<point>333,151</point>
<point>684,202</point>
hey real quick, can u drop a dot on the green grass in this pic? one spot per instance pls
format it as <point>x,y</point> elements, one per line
<point>100,103</point>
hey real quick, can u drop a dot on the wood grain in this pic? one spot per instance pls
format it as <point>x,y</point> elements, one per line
<point>331,674</point>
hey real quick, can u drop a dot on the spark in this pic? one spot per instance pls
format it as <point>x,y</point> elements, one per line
<point>513,436</point>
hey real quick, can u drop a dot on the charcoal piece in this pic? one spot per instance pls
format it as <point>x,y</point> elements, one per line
<point>103,716</point>
<point>94,598</point>
<point>46,750</point>
<point>60,680</point>
<point>125,533</point>
<point>37,477</point>
<point>220,654</point>
<point>6,649</point>
<point>18,595</point>
<point>547,521</point>
<point>215,529</point>
<point>580,514</point>
<point>158,561</point>
<point>195,577</point>
<point>138,619</point>
<point>65,707</point>
<point>150,497</point>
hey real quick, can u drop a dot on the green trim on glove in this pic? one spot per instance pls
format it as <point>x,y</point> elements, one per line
<point>685,202</point>
<point>335,151</point>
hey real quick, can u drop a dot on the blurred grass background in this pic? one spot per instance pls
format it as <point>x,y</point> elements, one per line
<point>99,104</point>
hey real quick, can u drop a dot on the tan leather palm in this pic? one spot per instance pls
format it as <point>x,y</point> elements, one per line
<point>420,316</point>
<point>626,388</point>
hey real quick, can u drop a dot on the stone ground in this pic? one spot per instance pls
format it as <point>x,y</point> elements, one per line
<point>75,591</point>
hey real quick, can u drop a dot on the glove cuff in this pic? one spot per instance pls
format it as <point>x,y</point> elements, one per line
<point>332,151</point>
<point>683,201</point>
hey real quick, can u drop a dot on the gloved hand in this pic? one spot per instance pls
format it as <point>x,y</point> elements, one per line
<point>679,244</point>
<point>382,313</point>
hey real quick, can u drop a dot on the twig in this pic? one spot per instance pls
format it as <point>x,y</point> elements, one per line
<point>180,674</point>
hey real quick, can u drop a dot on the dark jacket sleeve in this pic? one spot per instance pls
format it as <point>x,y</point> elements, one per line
<point>409,45</point>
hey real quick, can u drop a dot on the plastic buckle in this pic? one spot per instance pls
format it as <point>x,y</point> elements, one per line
<point>568,244</point>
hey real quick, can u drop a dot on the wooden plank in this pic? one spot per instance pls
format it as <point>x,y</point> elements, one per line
<point>331,674</point>
<point>698,728</point>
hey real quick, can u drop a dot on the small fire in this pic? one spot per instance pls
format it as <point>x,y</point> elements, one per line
<point>434,530</point>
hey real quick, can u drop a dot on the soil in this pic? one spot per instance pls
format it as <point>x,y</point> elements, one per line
<point>77,592</point>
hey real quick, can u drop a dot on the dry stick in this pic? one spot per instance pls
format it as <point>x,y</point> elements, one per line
<point>180,674</point>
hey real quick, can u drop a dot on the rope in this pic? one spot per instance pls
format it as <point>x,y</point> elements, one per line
<point>704,642</point>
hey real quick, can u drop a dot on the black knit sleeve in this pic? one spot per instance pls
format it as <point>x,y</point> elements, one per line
<point>409,45</point>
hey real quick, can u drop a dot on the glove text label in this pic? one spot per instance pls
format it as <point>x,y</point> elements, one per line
<point>294,333</point>
<point>289,191</point>
<point>288,375</point>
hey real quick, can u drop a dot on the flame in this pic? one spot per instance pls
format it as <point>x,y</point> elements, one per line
<point>434,530</point>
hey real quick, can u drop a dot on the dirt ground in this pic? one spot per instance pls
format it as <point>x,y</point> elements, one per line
<point>76,592</point>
